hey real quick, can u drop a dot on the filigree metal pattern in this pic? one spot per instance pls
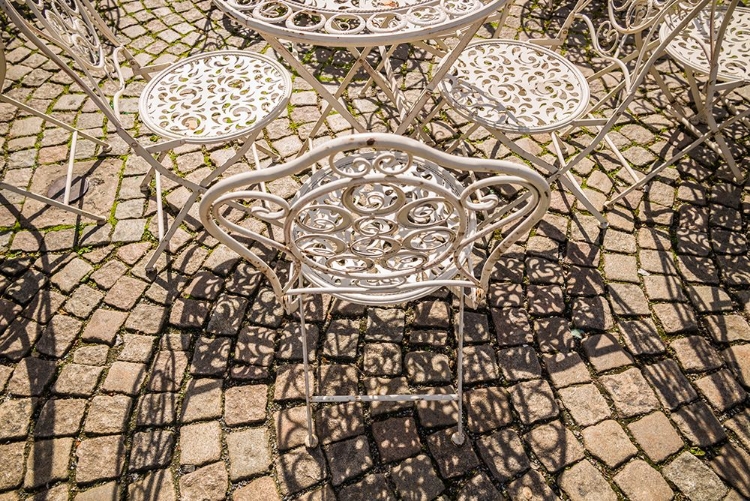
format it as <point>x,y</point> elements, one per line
<point>691,47</point>
<point>379,221</point>
<point>375,22</point>
<point>515,87</point>
<point>216,96</point>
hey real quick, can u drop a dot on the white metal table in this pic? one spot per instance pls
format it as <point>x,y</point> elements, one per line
<point>362,26</point>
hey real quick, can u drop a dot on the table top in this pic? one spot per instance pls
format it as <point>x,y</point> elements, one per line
<point>357,23</point>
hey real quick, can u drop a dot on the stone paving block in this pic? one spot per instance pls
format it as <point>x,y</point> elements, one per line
<point>663,288</point>
<point>480,364</point>
<point>386,386</point>
<point>60,417</point>
<point>43,306</point>
<point>290,342</point>
<point>348,459</point>
<point>708,299</point>
<point>676,318</point>
<point>71,275</point>
<point>136,348</point>
<point>583,481</point>
<point>12,474</point>
<point>156,409</point>
<point>503,453</point>
<point>585,404</point>
<point>202,400</point>
<point>103,326</point>
<point>290,384</point>
<point>553,335</point>
<point>19,338</point>
<point>733,465</point>
<point>721,390</point>
<point>502,296</point>
<point>531,486</point>
<point>210,356</point>
<point>291,427</point>
<point>108,414</point>
<point>424,367</point>
<point>698,269</point>
<point>487,409</point>
<point>245,404</point>
<point>200,443</point>
<point>415,479</point>
<point>146,318</point>
<point>656,436</point>
<point>582,281</point>
<point>737,358</point>
<point>435,413</point>
<point>432,315</point>
<point>694,479</point>
<point>545,300</point>
<point>554,445</point>
<point>100,458</point>
<point>452,460</point>
<point>337,422</point>
<point>205,285</point>
<point>519,363</point>
<point>342,338</point>
<point>382,359</point>
<point>478,488</point>
<point>299,469</point>
<point>695,354</point>
<point>154,485</point>
<point>582,254</point>
<point>385,325</point>
<point>188,313</point>
<point>533,401</point>
<point>627,300</point>
<point>58,336</point>
<point>125,293</point>
<point>167,371</point>
<point>739,424</point>
<point>565,370</point>
<point>659,262</point>
<point>31,377</point>
<point>630,393</point>
<point>608,442</point>
<point>640,482</point>
<point>95,355</point>
<point>125,377</point>
<point>107,491</point>
<point>106,276</point>
<point>605,353</point>
<point>670,385</point>
<point>698,424</point>
<point>727,328</point>
<point>262,487</point>
<point>512,326</point>
<point>209,483</point>
<point>476,328</point>
<point>641,337</point>
<point>151,449</point>
<point>255,345</point>
<point>592,313</point>
<point>621,267</point>
<point>337,379</point>
<point>47,462</point>
<point>396,438</point>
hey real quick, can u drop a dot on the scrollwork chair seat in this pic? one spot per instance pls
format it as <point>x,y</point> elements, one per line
<point>383,222</point>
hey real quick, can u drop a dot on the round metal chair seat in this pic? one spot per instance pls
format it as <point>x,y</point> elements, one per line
<point>378,233</point>
<point>515,87</point>
<point>688,46</point>
<point>215,97</point>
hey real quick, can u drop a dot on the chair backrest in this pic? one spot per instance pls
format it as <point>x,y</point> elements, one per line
<point>382,221</point>
<point>90,53</point>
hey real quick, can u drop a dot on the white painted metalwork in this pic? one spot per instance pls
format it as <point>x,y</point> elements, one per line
<point>208,98</point>
<point>65,205</point>
<point>382,222</point>
<point>363,26</point>
<point>715,47</point>
<point>516,87</point>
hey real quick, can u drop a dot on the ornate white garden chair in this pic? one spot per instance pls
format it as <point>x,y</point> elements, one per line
<point>383,221</point>
<point>69,179</point>
<point>714,50</point>
<point>209,98</point>
<point>514,87</point>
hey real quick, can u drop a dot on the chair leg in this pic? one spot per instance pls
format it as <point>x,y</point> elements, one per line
<point>572,185</point>
<point>164,240</point>
<point>311,441</point>
<point>459,437</point>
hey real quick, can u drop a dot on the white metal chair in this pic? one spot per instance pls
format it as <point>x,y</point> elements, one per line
<point>208,98</point>
<point>714,50</point>
<point>513,87</point>
<point>382,222</point>
<point>65,204</point>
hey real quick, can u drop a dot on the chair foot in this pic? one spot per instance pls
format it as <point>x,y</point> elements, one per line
<point>311,441</point>
<point>458,438</point>
<point>604,225</point>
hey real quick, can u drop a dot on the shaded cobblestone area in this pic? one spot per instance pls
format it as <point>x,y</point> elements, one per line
<point>607,364</point>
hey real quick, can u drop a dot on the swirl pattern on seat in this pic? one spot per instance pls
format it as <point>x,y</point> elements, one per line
<point>515,87</point>
<point>215,97</point>
<point>691,46</point>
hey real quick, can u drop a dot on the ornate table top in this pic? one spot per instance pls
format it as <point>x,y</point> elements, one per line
<point>357,23</point>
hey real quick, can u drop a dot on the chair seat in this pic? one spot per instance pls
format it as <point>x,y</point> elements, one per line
<point>515,87</point>
<point>734,59</point>
<point>375,235</point>
<point>216,96</point>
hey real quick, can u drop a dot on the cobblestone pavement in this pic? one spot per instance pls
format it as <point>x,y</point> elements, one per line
<point>607,365</point>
